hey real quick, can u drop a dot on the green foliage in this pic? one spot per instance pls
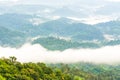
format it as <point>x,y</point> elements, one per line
<point>2,78</point>
<point>52,43</point>
<point>89,71</point>
<point>78,78</point>
<point>10,69</point>
<point>13,70</point>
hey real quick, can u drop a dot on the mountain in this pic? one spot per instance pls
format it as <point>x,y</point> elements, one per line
<point>11,38</point>
<point>109,9</point>
<point>67,28</point>
<point>14,21</point>
<point>111,27</point>
<point>68,12</point>
<point>20,28</point>
<point>61,27</point>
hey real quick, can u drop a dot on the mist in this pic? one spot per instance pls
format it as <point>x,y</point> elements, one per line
<point>36,53</point>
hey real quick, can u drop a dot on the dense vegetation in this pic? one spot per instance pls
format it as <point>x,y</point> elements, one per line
<point>56,43</point>
<point>10,69</point>
<point>52,43</point>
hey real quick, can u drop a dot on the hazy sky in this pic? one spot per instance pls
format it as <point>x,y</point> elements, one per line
<point>56,2</point>
<point>93,9</point>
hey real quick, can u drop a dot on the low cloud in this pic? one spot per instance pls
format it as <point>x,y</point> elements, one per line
<point>36,53</point>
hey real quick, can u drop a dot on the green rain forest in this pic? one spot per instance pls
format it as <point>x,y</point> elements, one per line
<point>11,69</point>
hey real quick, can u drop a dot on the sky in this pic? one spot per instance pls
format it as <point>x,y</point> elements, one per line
<point>56,2</point>
<point>94,10</point>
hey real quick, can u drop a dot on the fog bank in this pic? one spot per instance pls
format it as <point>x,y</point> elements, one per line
<point>36,53</point>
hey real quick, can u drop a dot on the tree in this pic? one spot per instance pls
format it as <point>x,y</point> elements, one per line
<point>2,78</point>
<point>13,59</point>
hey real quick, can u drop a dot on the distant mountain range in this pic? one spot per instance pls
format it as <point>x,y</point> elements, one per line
<point>11,38</point>
<point>56,34</point>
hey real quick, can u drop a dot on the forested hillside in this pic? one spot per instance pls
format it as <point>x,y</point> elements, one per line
<point>11,69</point>
<point>19,29</point>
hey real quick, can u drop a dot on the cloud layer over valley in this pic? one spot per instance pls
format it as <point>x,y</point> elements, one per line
<point>36,53</point>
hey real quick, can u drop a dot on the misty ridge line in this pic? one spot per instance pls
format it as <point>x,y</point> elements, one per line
<point>36,53</point>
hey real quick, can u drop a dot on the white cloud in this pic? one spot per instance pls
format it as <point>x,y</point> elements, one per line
<point>94,19</point>
<point>36,21</point>
<point>36,53</point>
